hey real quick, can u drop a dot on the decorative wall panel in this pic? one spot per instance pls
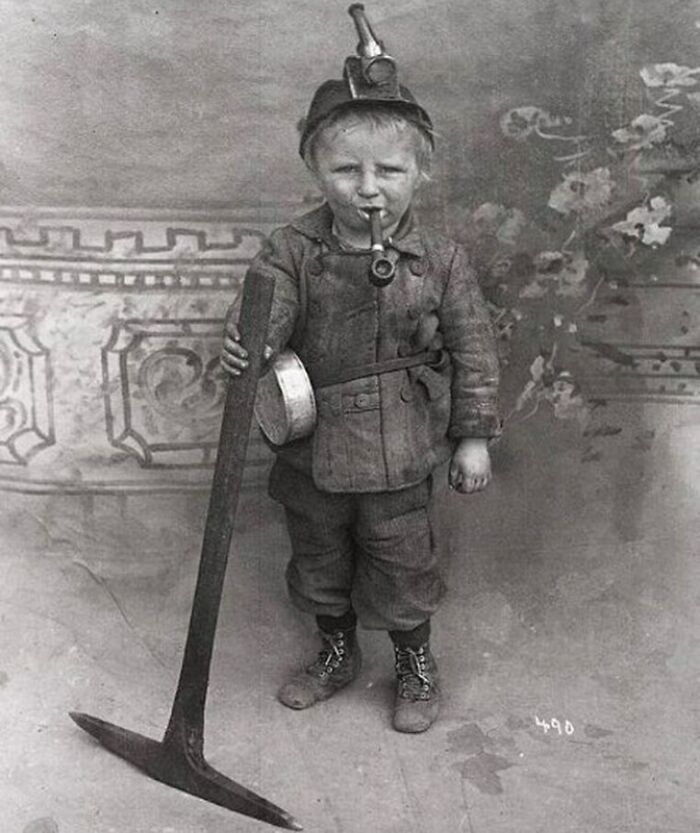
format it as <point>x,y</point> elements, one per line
<point>26,418</point>
<point>164,390</point>
<point>110,331</point>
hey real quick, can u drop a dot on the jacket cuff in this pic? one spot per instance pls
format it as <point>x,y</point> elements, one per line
<point>484,421</point>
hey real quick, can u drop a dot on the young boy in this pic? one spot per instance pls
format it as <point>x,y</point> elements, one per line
<point>356,493</point>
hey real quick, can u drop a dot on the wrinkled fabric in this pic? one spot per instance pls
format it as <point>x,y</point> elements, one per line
<point>374,552</point>
<point>387,431</point>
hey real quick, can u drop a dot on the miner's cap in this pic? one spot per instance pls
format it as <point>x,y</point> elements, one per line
<point>335,95</point>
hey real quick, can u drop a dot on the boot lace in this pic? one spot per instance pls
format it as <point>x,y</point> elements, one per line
<point>415,681</point>
<point>331,656</point>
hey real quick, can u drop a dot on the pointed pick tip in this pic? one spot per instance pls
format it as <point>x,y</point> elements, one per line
<point>80,718</point>
<point>87,721</point>
<point>92,725</point>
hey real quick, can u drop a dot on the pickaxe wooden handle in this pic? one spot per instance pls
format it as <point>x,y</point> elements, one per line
<point>178,760</point>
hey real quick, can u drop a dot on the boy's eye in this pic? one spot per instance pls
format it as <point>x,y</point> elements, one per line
<point>345,169</point>
<point>391,169</point>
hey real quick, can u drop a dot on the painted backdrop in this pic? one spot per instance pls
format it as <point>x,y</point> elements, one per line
<point>145,148</point>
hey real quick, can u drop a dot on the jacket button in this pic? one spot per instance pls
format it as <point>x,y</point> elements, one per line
<point>314,267</point>
<point>407,393</point>
<point>362,400</point>
<point>418,267</point>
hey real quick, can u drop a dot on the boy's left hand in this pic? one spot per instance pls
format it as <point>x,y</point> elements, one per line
<point>470,467</point>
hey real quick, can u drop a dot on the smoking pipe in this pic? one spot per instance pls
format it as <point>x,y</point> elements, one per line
<point>382,268</point>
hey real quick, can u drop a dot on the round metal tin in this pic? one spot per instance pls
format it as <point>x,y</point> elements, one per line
<point>285,406</point>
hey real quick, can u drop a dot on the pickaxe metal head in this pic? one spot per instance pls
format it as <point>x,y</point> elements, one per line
<point>180,764</point>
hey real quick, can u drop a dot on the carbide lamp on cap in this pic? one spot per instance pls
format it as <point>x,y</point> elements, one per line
<point>371,75</point>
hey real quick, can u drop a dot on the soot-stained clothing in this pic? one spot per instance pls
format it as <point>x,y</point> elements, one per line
<point>357,492</point>
<point>385,431</point>
<point>372,551</point>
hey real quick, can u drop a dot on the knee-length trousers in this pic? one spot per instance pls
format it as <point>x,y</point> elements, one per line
<point>371,551</point>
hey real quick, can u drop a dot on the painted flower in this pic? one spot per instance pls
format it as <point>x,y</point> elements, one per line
<point>521,122</point>
<point>644,223</point>
<point>571,281</point>
<point>533,290</point>
<point>669,75</point>
<point>566,400</point>
<point>582,193</point>
<point>563,272</point>
<point>504,223</point>
<point>643,132</point>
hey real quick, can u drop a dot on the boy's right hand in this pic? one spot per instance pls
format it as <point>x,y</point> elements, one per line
<point>234,356</point>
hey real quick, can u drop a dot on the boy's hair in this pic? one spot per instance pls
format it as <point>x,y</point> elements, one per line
<point>378,116</point>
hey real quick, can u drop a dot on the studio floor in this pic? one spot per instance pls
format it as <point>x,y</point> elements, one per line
<point>568,646</point>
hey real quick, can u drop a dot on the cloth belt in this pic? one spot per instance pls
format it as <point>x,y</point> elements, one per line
<point>347,374</point>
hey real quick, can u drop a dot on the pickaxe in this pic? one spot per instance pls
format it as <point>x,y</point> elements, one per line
<point>178,759</point>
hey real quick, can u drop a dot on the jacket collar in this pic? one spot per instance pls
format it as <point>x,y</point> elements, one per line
<point>318,225</point>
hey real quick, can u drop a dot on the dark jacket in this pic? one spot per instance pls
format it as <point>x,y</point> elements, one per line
<point>387,431</point>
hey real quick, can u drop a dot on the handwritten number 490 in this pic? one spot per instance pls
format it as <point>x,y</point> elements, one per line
<point>555,725</point>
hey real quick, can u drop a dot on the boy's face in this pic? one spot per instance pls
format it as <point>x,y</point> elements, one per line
<point>360,166</point>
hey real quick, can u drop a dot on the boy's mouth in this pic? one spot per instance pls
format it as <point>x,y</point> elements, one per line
<point>367,211</point>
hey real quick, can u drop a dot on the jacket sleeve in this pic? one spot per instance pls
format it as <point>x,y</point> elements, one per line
<point>468,336</point>
<point>280,258</point>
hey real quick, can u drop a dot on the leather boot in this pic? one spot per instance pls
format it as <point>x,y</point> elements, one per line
<point>417,689</point>
<point>337,665</point>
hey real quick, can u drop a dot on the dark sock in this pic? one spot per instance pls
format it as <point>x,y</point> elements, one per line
<point>331,624</point>
<point>413,638</point>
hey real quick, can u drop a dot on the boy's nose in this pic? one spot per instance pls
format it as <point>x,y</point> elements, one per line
<point>368,185</point>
